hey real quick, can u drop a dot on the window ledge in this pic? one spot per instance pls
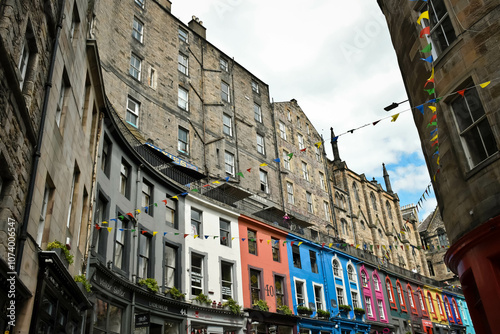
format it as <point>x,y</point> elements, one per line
<point>483,164</point>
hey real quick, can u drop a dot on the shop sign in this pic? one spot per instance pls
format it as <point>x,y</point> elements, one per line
<point>426,323</point>
<point>142,320</point>
<point>144,301</point>
<point>111,286</point>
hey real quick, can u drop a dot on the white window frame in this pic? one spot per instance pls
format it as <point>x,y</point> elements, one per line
<point>183,35</point>
<point>310,205</point>
<point>376,282</point>
<point>229,163</point>
<point>351,273</point>
<point>286,160</point>
<point>300,138</point>
<point>381,310</point>
<point>282,127</point>
<point>183,63</point>
<point>318,153</point>
<point>230,283</point>
<point>326,207</point>
<point>134,113</point>
<point>257,110</point>
<point>138,30</point>
<point>321,298</point>
<point>135,66</point>
<point>223,64</point>
<point>227,124</point>
<point>225,92</point>
<point>23,63</point>
<point>322,180</point>
<point>261,146</point>
<point>289,190</point>
<point>140,3</point>
<point>304,292</point>
<point>355,299</point>
<point>201,276</point>
<point>43,215</point>
<point>183,98</point>
<point>264,181</point>
<point>255,87</point>
<point>369,306</point>
<point>340,271</point>
<point>344,297</point>
<point>182,145</point>
<point>305,172</point>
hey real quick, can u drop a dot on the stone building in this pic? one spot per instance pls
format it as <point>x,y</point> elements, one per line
<point>462,76</point>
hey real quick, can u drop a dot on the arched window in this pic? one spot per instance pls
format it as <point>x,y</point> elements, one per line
<point>402,302</point>
<point>423,307</point>
<point>380,233</point>
<point>374,201</point>
<point>443,238</point>
<point>364,278</point>
<point>455,308</point>
<point>390,293</point>
<point>431,304</point>
<point>388,208</point>
<point>440,306</point>
<point>336,268</point>
<point>355,191</point>
<point>350,273</point>
<point>344,226</point>
<point>462,311</point>
<point>363,225</point>
<point>448,309</point>
<point>411,298</point>
<point>376,282</point>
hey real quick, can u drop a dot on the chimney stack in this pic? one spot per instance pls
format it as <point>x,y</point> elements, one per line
<point>197,26</point>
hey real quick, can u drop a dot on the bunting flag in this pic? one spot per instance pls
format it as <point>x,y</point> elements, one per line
<point>432,108</point>
<point>226,178</point>
<point>424,15</point>
<point>374,123</point>
<point>104,222</point>
<point>277,160</point>
<point>434,138</point>
<point>461,92</point>
<point>318,144</point>
<point>425,31</point>
<point>304,149</point>
<point>394,117</point>
<point>428,59</point>
<point>420,108</point>
<point>263,164</point>
<point>432,124</point>
<point>240,174</point>
<point>109,229</point>
<point>334,139</point>
<point>249,170</point>
<point>430,91</point>
<point>175,197</point>
<point>428,48</point>
<point>483,85</point>
<point>290,156</point>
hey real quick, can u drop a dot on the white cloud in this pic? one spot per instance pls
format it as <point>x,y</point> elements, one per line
<point>410,178</point>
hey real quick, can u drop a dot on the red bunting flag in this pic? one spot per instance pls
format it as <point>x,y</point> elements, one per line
<point>97,227</point>
<point>261,240</point>
<point>129,214</point>
<point>323,244</point>
<point>185,235</point>
<point>303,150</point>
<point>165,201</point>
<point>425,31</point>
<point>206,185</point>
<point>461,92</point>
<point>291,243</point>
<point>249,169</point>
<point>433,118</point>
<point>436,142</point>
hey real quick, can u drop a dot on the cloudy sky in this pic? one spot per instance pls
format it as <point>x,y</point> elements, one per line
<point>336,59</point>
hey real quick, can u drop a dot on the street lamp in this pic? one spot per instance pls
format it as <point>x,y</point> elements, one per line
<point>394,105</point>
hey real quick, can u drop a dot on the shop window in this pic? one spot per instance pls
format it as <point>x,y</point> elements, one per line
<point>107,317</point>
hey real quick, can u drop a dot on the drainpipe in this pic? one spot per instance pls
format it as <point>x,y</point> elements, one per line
<point>36,156</point>
<point>278,154</point>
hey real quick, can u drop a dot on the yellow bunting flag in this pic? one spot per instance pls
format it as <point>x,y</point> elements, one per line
<point>357,246</point>
<point>424,15</point>
<point>233,238</point>
<point>330,244</point>
<point>300,243</point>
<point>485,84</point>
<point>109,229</point>
<point>434,138</point>
<point>104,222</point>
<point>394,117</point>
<point>154,233</point>
<point>432,108</point>
<point>263,164</point>
<point>437,160</point>
<point>318,144</point>
<point>268,241</point>
<point>175,197</point>
<point>195,236</point>
<point>217,182</point>
<point>432,75</point>
<point>138,211</point>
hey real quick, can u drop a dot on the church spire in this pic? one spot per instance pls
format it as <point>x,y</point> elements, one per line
<point>335,147</point>
<point>386,179</point>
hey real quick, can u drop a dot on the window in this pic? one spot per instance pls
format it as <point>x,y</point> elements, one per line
<point>23,63</point>
<point>289,116</point>
<point>276,249</point>
<point>390,294</point>
<point>343,222</point>
<point>279,288</point>
<point>229,163</point>
<point>474,128</point>
<point>364,279</point>
<point>132,111</point>
<point>225,94</point>
<point>431,303</point>
<point>183,141</point>
<point>381,310</point>
<point>183,35</point>
<point>376,282</point>
<point>305,172</point>
<point>135,67</point>
<point>144,255</point>
<point>170,208</point>
<point>374,201</point>
<point>299,125</point>
<point>140,3</point>
<point>227,125</point>
<point>301,141</point>
<point>455,309</point>
<point>336,268</point>
<point>442,237</point>
<point>380,233</point>
<point>363,226</point>
<point>260,144</point>
<point>314,264</point>
<point>255,87</point>
<point>388,208</point>
<point>322,181</point>
<point>289,190</point>
<point>255,285</point>
<point>402,302</point>
<point>225,232</point>
<point>318,153</point>
<point>147,197</point>
<point>318,297</point>
<point>152,78</point>
<point>137,29</point>
<point>223,65</point>
<point>227,280</point>
<point>448,308</point>
<point>72,194</point>
<point>411,299</point>
<point>350,273</point>
<point>124,175</point>
<point>120,252</point>
<point>355,300</point>
<point>183,64</point>
<point>442,32</point>
<point>47,194</point>
<point>196,217</point>
<point>440,306</point>
<point>368,304</point>
<point>340,296</point>
<point>257,111</point>
<point>183,99</point>
<point>106,155</point>
<point>300,293</point>
<point>264,186</point>
<point>286,160</point>
<point>326,208</point>
<point>296,256</point>
<point>252,242</point>
<point>355,191</point>
<point>108,317</point>
<point>309,202</point>
<point>62,99</point>
<point>421,297</point>
<point>101,235</point>
<point>282,130</point>
<point>197,285</point>
<point>170,255</point>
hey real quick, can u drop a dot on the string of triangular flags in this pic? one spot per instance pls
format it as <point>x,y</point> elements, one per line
<point>422,198</point>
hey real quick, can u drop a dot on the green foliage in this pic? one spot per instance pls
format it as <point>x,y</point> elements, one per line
<point>261,305</point>
<point>83,280</point>
<point>233,306</point>
<point>57,244</point>
<point>176,294</point>
<point>323,314</point>
<point>150,283</point>
<point>359,310</point>
<point>284,309</point>
<point>304,310</point>
<point>345,308</point>
<point>202,298</point>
